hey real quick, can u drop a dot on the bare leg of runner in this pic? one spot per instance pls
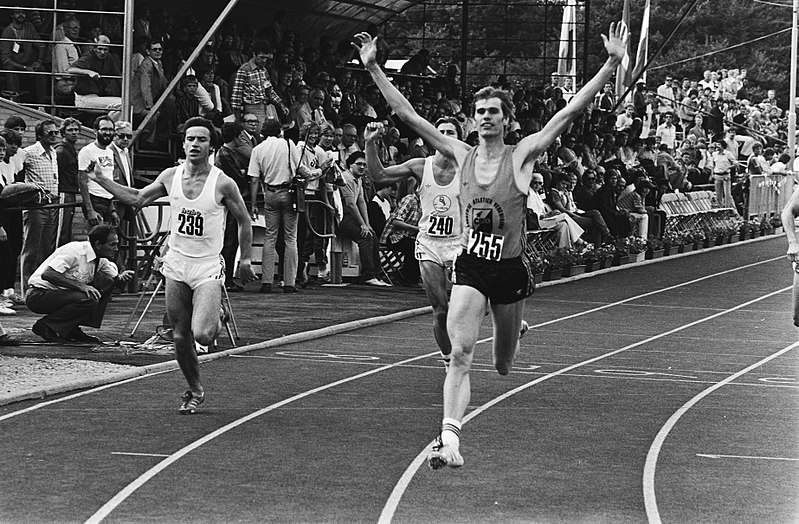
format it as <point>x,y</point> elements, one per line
<point>795,295</point>
<point>507,319</point>
<point>434,279</point>
<point>466,313</point>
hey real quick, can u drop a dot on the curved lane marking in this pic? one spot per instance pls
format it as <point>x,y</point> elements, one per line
<point>392,503</point>
<point>650,499</point>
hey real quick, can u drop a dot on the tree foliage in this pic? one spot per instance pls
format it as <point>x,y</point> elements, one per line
<point>520,36</point>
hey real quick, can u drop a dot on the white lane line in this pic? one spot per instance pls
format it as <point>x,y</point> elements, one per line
<point>333,330</point>
<point>139,454</point>
<point>650,499</point>
<point>120,497</point>
<point>714,456</point>
<point>80,394</point>
<point>390,507</point>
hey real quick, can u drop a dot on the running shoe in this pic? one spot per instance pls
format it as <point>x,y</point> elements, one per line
<point>524,329</point>
<point>444,456</point>
<point>190,403</point>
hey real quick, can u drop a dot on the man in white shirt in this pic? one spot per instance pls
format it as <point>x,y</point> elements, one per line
<point>667,131</point>
<point>98,205</point>
<point>72,287</point>
<point>272,167</point>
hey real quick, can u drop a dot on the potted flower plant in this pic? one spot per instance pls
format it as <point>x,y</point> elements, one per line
<point>654,248</point>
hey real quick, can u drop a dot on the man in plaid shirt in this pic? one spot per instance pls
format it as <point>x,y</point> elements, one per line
<point>41,167</point>
<point>400,235</point>
<point>253,91</point>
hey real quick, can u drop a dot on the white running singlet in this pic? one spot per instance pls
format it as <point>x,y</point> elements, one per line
<point>440,209</point>
<point>198,225</point>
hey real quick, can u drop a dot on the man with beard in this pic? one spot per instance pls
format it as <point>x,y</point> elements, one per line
<point>98,205</point>
<point>68,187</point>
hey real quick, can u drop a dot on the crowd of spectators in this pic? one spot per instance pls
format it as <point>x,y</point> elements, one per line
<point>286,106</point>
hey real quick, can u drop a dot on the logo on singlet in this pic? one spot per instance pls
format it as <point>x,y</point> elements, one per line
<point>482,219</point>
<point>442,203</point>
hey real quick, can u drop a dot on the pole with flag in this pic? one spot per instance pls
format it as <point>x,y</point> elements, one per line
<point>642,54</point>
<point>624,69</point>
<point>567,53</point>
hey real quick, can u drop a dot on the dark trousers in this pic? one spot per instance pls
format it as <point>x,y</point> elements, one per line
<point>367,247</point>
<point>8,265</point>
<point>230,245</point>
<point>66,309</point>
<point>410,266</point>
<point>66,214</point>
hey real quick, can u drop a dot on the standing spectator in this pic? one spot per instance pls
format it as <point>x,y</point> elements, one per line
<point>665,95</point>
<point>233,162</point>
<point>68,187</point>
<point>272,167</point>
<point>18,126</point>
<point>252,89</point>
<point>607,100</point>
<point>689,109</point>
<point>19,52</point>
<point>41,167</point>
<point>355,224</point>
<point>723,164</point>
<point>123,168</point>
<point>93,88</point>
<point>714,121</point>
<point>10,220</point>
<point>667,131</point>
<point>149,83</point>
<point>317,162</point>
<point>98,205</point>
<point>8,260</point>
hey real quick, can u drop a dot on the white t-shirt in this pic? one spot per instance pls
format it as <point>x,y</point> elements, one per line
<point>105,158</point>
<point>6,173</point>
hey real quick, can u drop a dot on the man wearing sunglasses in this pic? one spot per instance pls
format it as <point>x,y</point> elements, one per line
<point>123,170</point>
<point>41,167</point>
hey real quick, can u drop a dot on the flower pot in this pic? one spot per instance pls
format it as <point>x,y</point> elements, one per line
<point>670,250</point>
<point>721,240</point>
<point>686,248</point>
<point>538,277</point>
<point>618,260</point>
<point>591,266</point>
<point>605,262</point>
<point>552,274</point>
<point>638,257</point>
<point>571,271</point>
<point>734,238</point>
<point>654,253</point>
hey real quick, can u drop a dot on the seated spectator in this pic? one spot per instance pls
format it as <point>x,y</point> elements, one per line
<point>605,201</point>
<point>541,216</point>
<point>93,88</point>
<point>65,53</point>
<point>25,55</point>
<point>584,192</point>
<point>355,224</point>
<point>73,286</point>
<point>671,169</point>
<point>633,204</point>
<point>561,199</point>
<point>400,235</point>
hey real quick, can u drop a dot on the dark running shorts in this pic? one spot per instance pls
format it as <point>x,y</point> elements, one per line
<point>503,282</point>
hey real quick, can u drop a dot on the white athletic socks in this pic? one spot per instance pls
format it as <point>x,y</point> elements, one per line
<point>451,432</point>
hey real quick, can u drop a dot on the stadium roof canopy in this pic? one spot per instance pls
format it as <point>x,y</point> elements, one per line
<point>334,17</point>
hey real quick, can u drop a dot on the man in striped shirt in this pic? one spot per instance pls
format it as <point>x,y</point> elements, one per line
<point>252,90</point>
<point>41,167</point>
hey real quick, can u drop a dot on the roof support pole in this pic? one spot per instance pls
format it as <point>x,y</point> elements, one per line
<point>127,53</point>
<point>464,52</point>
